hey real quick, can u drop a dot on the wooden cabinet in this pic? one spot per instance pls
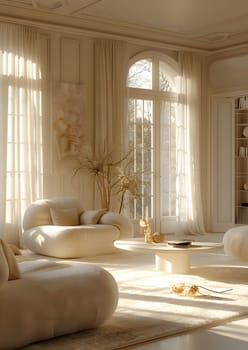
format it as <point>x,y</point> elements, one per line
<point>241,160</point>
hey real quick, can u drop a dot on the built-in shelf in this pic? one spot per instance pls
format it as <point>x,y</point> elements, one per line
<point>241,164</point>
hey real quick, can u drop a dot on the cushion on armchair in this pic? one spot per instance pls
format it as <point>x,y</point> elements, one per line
<point>64,216</point>
<point>39,212</point>
<point>89,217</point>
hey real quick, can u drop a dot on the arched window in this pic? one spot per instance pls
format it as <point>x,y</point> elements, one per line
<point>153,85</point>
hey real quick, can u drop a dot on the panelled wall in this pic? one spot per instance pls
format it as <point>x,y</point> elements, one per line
<point>69,59</point>
<point>66,60</point>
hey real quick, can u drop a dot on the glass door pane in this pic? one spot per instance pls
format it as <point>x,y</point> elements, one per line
<point>141,141</point>
<point>167,159</point>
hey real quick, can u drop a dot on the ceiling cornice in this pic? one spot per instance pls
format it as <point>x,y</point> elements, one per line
<point>95,27</point>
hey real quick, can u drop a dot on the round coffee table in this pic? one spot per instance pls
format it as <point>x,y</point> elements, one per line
<point>167,257</point>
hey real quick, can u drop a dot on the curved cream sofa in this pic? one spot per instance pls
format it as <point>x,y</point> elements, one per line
<point>59,227</point>
<point>235,242</point>
<point>45,298</point>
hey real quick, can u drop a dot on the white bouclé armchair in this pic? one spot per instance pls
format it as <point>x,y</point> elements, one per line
<point>59,227</point>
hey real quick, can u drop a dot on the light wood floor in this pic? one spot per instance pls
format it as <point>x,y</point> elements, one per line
<point>230,336</point>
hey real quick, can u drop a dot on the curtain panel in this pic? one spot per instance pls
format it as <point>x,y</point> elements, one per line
<point>189,206</point>
<point>21,124</point>
<point>110,74</point>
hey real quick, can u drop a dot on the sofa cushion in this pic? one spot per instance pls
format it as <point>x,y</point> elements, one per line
<point>64,216</point>
<point>9,269</point>
<point>91,217</point>
<point>71,241</point>
<point>4,269</point>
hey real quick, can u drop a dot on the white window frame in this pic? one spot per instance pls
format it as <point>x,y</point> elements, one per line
<point>157,220</point>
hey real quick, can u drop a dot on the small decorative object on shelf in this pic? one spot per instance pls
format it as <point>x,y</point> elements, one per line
<point>245,186</point>
<point>242,102</point>
<point>245,131</point>
<point>243,152</point>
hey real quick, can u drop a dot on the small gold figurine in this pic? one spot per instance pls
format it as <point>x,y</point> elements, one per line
<point>150,237</point>
<point>144,223</point>
<point>155,237</point>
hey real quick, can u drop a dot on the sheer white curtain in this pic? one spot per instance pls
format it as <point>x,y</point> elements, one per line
<point>110,69</point>
<point>189,208</point>
<point>20,124</point>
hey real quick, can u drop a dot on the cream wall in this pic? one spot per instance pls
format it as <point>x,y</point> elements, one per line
<point>69,59</point>
<point>228,74</point>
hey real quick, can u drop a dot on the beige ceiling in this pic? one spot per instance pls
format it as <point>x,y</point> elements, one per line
<point>207,24</point>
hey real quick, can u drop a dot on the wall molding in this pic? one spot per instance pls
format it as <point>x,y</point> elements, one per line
<point>94,27</point>
<point>102,28</point>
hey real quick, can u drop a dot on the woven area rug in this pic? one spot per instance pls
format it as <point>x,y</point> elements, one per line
<point>148,309</point>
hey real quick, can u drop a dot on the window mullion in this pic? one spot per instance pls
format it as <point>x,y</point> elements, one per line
<point>142,160</point>
<point>155,75</point>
